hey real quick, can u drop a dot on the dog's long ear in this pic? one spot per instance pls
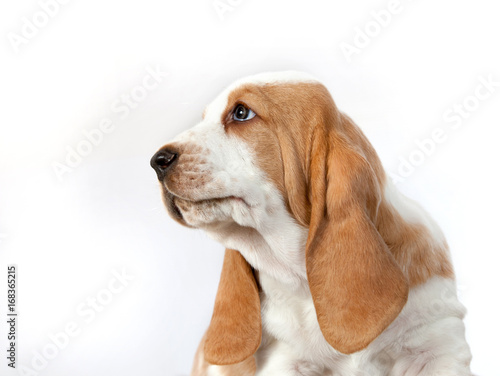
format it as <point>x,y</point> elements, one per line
<point>235,331</point>
<point>356,285</point>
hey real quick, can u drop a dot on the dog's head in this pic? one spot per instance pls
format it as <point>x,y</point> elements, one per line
<point>278,139</point>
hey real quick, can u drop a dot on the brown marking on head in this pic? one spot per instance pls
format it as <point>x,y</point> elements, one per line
<point>279,134</point>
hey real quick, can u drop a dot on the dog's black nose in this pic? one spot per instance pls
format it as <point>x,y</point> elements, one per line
<point>162,161</point>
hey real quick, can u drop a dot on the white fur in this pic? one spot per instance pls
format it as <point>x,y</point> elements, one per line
<point>426,339</point>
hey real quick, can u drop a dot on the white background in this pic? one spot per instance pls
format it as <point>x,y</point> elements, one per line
<point>68,235</point>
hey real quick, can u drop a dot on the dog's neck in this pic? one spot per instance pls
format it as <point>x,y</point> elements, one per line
<point>274,247</point>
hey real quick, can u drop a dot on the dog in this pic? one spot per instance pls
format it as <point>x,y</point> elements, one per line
<point>328,269</point>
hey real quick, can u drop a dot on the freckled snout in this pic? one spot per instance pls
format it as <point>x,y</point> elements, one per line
<point>162,161</point>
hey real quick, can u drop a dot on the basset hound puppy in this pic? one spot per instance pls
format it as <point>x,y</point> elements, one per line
<point>328,269</point>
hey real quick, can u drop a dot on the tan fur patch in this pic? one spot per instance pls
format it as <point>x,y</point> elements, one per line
<point>235,330</point>
<point>201,366</point>
<point>416,252</point>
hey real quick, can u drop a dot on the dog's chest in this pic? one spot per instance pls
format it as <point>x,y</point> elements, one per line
<point>288,314</point>
<point>289,317</point>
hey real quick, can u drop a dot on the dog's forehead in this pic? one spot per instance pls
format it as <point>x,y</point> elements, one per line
<point>217,106</point>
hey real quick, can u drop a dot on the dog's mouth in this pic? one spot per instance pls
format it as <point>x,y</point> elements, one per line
<point>175,204</point>
<point>173,208</point>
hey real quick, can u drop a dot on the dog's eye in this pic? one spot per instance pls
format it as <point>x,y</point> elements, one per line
<point>242,113</point>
